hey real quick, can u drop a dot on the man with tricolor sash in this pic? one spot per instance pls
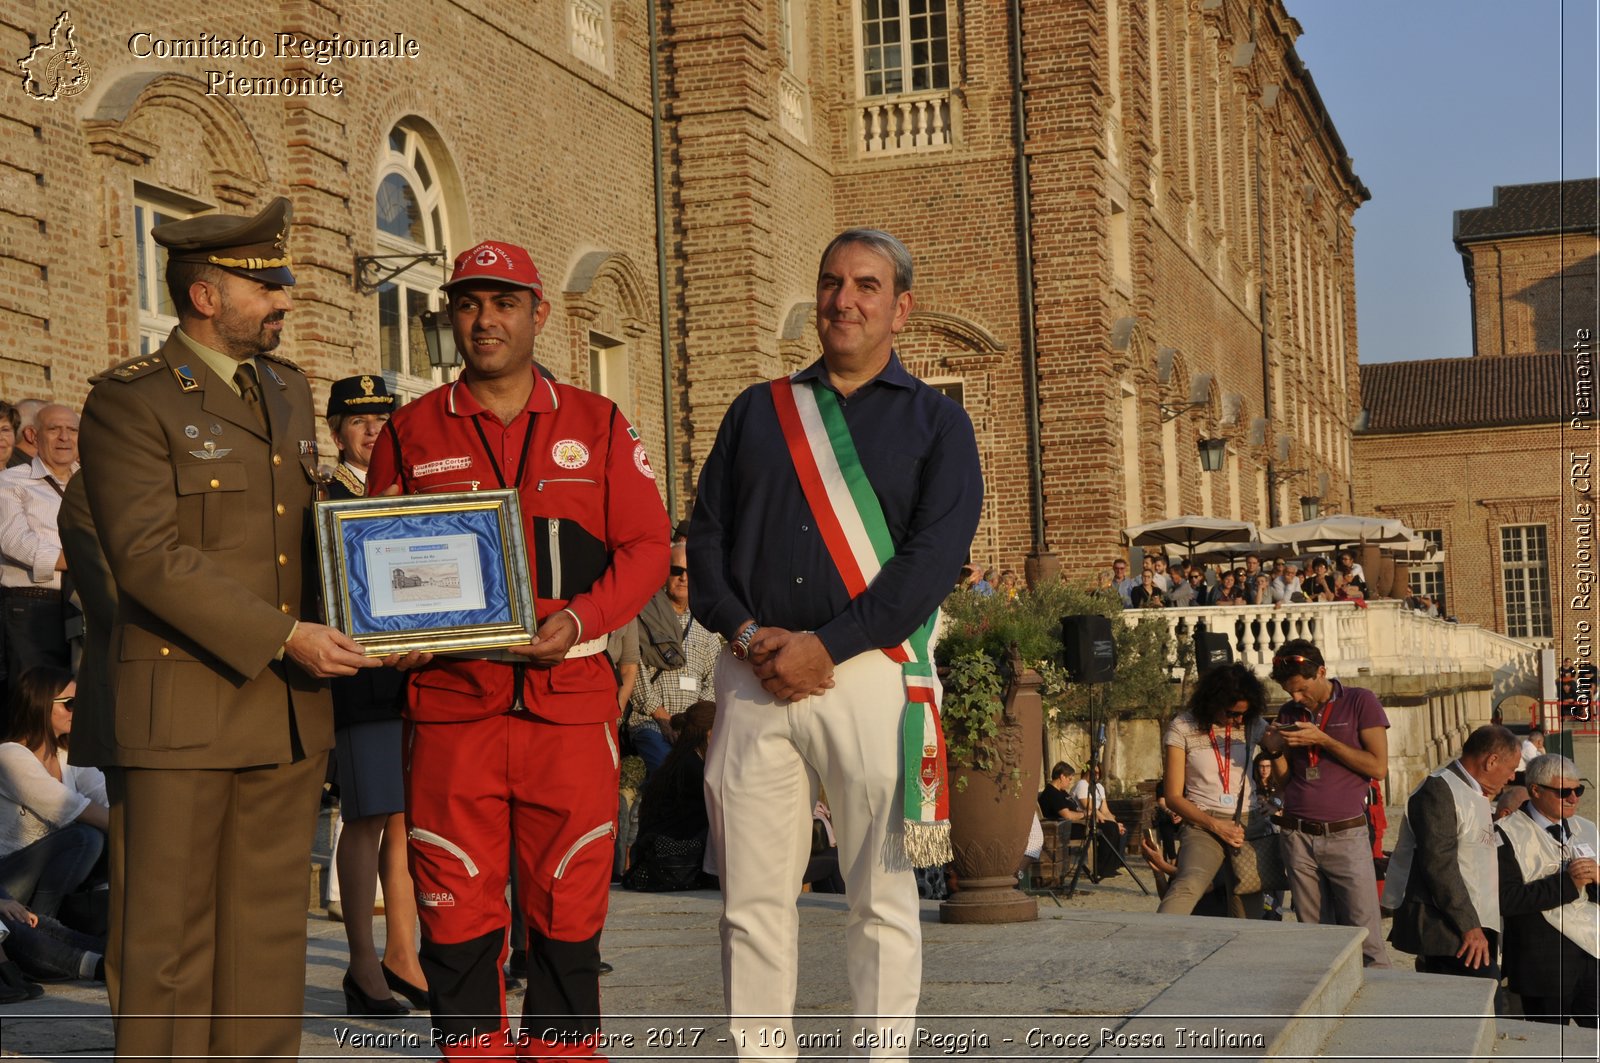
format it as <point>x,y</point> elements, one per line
<point>834,512</point>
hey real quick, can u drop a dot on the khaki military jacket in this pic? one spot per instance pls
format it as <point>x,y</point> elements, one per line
<point>205,523</point>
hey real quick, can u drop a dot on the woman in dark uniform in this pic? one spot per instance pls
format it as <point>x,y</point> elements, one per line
<point>366,718</point>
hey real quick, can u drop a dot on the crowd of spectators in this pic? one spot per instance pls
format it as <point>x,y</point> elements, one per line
<point>1182,583</point>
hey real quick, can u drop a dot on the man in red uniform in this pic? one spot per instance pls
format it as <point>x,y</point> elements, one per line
<point>522,743</point>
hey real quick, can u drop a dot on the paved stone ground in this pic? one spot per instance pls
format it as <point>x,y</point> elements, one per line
<point>1092,958</point>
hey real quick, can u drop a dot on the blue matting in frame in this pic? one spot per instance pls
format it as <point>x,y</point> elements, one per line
<point>482,524</point>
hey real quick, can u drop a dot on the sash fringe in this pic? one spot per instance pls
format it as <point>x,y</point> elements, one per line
<point>927,844</point>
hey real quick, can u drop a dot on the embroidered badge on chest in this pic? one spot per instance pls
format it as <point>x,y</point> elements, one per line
<point>428,468</point>
<point>570,454</point>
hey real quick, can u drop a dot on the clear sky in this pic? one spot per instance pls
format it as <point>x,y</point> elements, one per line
<point>1438,101</point>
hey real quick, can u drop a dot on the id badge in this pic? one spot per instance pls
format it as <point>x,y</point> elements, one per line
<point>1580,849</point>
<point>688,683</point>
<point>1228,800</point>
<point>1313,773</point>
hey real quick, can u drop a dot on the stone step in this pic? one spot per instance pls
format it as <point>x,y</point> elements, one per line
<point>1271,990</point>
<point>1520,1039</point>
<point>1399,1013</point>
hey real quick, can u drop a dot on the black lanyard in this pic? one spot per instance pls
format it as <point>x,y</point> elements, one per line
<point>522,463</point>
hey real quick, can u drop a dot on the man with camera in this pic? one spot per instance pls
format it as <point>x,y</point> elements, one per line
<point>1328,741</point>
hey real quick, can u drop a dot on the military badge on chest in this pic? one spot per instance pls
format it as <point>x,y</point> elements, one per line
<point>209,449</point>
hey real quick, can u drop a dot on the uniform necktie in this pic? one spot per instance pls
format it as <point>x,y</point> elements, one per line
<point>250,392</point>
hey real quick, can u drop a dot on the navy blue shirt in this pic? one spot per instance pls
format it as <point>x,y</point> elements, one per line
<point>754,548</point>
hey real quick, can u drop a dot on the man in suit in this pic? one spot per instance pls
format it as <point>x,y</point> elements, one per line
<point>1442,878</point>
<point>200,464</point>
<point>1547,898</point>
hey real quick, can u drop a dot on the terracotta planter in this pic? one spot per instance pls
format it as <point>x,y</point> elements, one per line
<point>989,819</point>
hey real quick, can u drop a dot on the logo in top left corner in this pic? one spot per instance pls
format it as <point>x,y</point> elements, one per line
<point>55,69</point>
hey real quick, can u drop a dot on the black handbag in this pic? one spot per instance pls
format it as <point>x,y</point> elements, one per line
<point>662,864</point>
<point>1257,865</point>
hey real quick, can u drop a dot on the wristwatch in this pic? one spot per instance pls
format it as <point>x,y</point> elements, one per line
<point>741,642</point>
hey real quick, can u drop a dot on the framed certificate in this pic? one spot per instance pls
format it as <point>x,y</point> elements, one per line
<point>427,572</point>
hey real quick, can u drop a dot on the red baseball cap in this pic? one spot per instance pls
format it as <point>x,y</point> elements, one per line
<point>496,261</point>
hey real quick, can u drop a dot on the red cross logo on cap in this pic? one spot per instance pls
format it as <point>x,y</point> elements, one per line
<point>485,256</point>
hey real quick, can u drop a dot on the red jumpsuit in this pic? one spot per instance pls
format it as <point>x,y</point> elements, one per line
<point>502,748</point>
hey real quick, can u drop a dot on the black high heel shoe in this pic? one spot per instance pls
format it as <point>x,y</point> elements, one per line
<point>412,992</point>
<point>360,1006</point>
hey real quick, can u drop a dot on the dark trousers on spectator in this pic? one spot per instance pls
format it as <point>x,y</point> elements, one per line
<point>1581,1005</point>
<point>35,626</point>
<point>1453,965</point>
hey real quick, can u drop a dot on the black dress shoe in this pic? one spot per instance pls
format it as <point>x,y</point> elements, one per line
<point>360,1006</point>
<point>606,968</point>
<point>410,990</point>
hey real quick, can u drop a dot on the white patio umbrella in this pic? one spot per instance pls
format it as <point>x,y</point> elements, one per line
<point>1189,532</point>
<point>1340,529</point>
<point>1233,551</point>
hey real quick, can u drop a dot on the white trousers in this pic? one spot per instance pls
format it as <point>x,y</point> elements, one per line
<point>763,768</point>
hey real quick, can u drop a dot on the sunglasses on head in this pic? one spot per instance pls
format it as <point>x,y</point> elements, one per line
<point>677,570</point>
<point>1563,792</point>
<point>1291,658</point>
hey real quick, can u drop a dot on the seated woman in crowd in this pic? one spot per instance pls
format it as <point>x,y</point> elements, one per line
<point>1318,587</point>
<point>1347,589</point>
<point>53,815</point>
<point>1208,748</point>
<point>1227,591</point>
<point>673,821</point>
<point>1147,595</point>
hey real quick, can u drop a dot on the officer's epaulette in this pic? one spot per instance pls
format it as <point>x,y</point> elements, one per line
<point>281,360</point>
<point>132,369</point>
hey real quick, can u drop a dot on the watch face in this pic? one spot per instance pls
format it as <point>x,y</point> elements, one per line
<point>739,650</point>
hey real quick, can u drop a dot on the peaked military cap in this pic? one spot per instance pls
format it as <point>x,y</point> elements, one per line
<point>256,247</point>
<point>359,394</point>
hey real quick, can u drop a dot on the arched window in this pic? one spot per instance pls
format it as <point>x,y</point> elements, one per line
<point>410,220</point>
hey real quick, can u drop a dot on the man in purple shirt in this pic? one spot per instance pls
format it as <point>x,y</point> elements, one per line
<point>1328,742</point>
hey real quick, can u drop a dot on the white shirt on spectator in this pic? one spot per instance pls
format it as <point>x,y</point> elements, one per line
<point>1283,590</point>
<point>30,501</point>
<point>33,803</point>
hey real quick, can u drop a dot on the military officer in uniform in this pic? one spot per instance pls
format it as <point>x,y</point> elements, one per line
<point>205,463</point>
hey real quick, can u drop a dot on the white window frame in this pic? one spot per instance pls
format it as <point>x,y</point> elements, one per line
<point>609,373</point>
<point>1525,580</point>
<point>418,286</point>
<point>157,315</point>
<point>1428,576</point>
<point>905,69</point>
<point>952,387</point>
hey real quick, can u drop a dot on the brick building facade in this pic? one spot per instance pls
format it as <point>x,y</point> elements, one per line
<point>1489,456</point>
<point>1530,266</point>
<point>1188,200</point>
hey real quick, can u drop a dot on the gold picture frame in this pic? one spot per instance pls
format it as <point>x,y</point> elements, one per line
<point>427,572</point>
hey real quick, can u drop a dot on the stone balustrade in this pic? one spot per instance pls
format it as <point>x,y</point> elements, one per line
<point>1381,638</point>
<point>914,121</point>
<point>1437,680</point>
<point>793,105</point>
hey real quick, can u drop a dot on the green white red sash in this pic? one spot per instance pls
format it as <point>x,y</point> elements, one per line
<point>856,534</point>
